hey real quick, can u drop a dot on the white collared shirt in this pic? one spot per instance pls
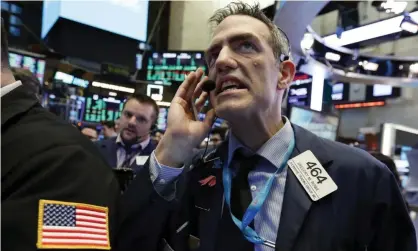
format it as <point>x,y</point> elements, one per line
<point>8,88</point>
<point>121,153</point>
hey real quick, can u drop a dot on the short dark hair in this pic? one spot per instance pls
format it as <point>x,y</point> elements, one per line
<point>27,78</point>
<point>278,39</point>
<point>221,131</point>
<point>4,47</point>
<point>144,99</point>
<point>109,124</point>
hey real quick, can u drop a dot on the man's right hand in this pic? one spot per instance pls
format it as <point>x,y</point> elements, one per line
<point>184,132</point>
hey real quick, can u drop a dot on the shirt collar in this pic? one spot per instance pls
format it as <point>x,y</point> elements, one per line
<point>142,144</point>
<point>8,88</point>
<point>269,150</point>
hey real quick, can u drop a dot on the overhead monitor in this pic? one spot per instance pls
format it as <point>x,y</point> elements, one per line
<point>70,79</point>
<point>162,118</point>
<point>98,109</point>
<point>128,18</point>
<point>319,123</point>
<point>170,68</point>
<point>33,64</point>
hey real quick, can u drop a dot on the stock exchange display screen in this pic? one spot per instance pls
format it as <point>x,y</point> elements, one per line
<point>34,65</point>
<point>102,109</point>
<point>162,118</point>
<point>170,68</point>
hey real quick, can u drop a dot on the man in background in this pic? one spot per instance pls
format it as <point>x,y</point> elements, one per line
<point>109,129</point>
<point>132,146</point>
<point>217,136</point>
<point>47,165</point>
<point>51,175</point>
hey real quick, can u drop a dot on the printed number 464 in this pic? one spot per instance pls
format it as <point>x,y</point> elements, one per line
<point>315,172</point>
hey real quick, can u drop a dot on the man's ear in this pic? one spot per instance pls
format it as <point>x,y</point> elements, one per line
<point>287,70</point>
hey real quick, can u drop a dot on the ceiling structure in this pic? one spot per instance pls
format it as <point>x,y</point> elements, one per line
<point>339,16</point>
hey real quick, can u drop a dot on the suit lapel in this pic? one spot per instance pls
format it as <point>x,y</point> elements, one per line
<point>112,152</point>
<point>210,215</point>
<point>296,202</point>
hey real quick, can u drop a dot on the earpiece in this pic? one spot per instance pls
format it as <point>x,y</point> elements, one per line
<point>208,86</point>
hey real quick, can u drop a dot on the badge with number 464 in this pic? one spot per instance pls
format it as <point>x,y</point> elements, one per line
<point>312,175</point>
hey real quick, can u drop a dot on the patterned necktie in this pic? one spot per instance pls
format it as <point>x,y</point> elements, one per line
<point>130,152</point>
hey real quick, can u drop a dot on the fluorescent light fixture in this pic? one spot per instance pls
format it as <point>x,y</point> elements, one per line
<point>387,138</point>
<point>369,66</point>
<point>332,56</point>
<point>111,100</point>
<point>163,103</point>
<point>80,82</point>
<point>413,68</point>
<point>113,87</point>
<point>370,31</point>
<point>114,94</point>
<point>157,97</point>
<point>307,41</point>
<point>317,88</point>
<point>64,77</point>
<point>395,7</point>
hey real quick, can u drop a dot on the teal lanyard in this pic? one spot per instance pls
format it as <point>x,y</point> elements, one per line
<point>256,203</point>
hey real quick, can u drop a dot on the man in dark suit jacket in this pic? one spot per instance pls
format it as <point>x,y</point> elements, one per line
<point>52,175</point>
<point>248,196</point>
<point>133,145</point>
<point>367,212</point>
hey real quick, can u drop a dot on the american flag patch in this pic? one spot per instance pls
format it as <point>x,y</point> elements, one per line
<point>68,225</point>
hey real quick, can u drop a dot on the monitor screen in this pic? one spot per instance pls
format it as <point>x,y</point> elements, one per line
<point>322,125</point>
<point>77,106</point>
<point>33,64</point>
<point>123,17</point>
<point>170,68</point>
<point>70,79</point>
<point>98,109</point>
<point>162,118</point>
<point>382,90</point>
<point>218,122</point>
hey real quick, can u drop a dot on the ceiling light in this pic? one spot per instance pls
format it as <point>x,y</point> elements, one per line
<point>332,56</point>
<point>408,24</point>
<point>395,7</point>
<point>113,87</point>
<point>111,100</point>
<point>413,68</point>
<point>369,66</point>
<point>163,103</point>
<point>114,94</point>
<point>157,97</point>
<point>370,31</point>
<point>307,41</point>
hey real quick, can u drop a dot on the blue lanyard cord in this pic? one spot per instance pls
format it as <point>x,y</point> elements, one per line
<point>256,203</point>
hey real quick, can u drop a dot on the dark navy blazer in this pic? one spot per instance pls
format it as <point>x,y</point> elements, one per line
<point>366,213</point>
<point>108,148</point>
